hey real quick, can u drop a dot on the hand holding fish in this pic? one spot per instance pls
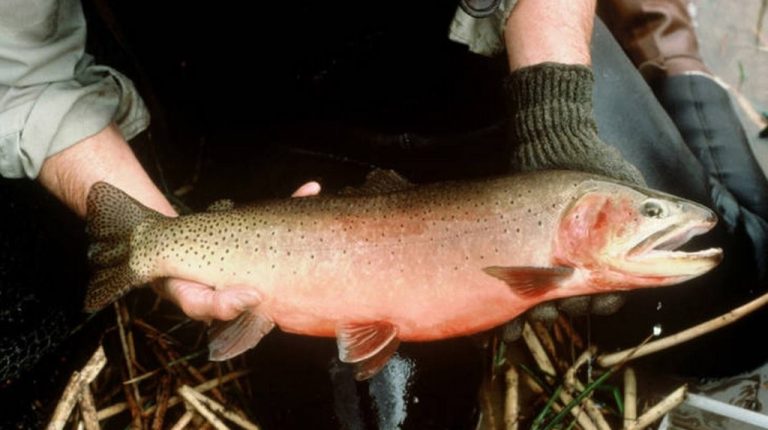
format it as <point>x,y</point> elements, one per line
<point>205,303</point>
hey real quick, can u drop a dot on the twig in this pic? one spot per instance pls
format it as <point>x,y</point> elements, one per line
<point>584,419</point>
<point>128,351</point>
<point>542,415</point>
<point>133,406</point>
<point>549,345</point>
<point>535,387</point>
<point>88,408</point>
<point>537,351</point>
<point>154,333</point>
<point>183,421</point>
<point>670,402</point>
<point>584,358</point>
<point>572,383</point>
<point>220,409</point>
<point>206,386</point>
<point>717,407</point>
<point>511,405</point>
<point>186,392</point>
<point>163,395</point>
<point>562,321</point>
<point>577,400</point>
<point>685,335</point>
<point>196,374</point>
<point>595,413</point>
<point>74,387</point>
<point>488,405</point>
<point>630,397</point>
<point>165,342</point>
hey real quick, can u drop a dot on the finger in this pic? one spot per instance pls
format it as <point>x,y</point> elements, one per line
<point>607,303</point>
<point>202,302</point>
<point>544,312</point>
<point>575,306</point>
<point>309,189</point>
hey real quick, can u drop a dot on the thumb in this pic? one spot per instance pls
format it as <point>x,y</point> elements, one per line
<point>202,302</point>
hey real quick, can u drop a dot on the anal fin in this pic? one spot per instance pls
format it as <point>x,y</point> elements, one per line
<point>227,339</point>
<point>530,281</point>
<point>366,345</point>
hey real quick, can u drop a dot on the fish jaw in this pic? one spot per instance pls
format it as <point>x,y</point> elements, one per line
<point>657,255</point>
<point>628,237</point>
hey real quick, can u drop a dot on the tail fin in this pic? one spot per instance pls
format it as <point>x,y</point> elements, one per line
<point>111,218</point>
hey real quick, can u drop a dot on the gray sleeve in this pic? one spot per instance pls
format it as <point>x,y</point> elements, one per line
<point>51,93</point>
<point>484,36</point>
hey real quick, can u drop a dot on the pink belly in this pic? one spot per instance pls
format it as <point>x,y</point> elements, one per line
<point>428,292</point>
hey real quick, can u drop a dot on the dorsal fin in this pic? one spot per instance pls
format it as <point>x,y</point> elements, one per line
<point>379,181</point>
<point>221,205</point>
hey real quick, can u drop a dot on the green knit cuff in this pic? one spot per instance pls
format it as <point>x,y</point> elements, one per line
<point>551,108</point>
<point>551,102</point>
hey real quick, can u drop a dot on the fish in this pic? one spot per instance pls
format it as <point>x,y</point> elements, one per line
<point>394,262</point>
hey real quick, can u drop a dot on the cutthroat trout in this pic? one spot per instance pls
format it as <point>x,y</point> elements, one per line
<point>401,262</point>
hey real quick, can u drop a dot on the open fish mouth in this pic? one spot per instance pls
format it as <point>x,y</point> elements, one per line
<point>659,254</point>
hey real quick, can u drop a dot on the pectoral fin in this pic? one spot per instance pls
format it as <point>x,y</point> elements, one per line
<point>530,281</point>
<point>227,339</point>
<point>366,345</point>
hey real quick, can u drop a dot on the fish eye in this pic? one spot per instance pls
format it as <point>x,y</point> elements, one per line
<point>653,209</point>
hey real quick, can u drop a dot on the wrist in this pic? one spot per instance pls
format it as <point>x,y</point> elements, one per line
<point>105,156</point>
<point>539,31</point>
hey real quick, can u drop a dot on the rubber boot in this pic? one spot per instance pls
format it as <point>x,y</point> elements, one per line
<point>657,36</point>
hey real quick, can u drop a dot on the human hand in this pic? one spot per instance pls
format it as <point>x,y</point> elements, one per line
<point>552,127</point>
<point>205,303</point>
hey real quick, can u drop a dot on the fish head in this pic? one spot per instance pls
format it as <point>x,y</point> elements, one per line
<point>622,236</point>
